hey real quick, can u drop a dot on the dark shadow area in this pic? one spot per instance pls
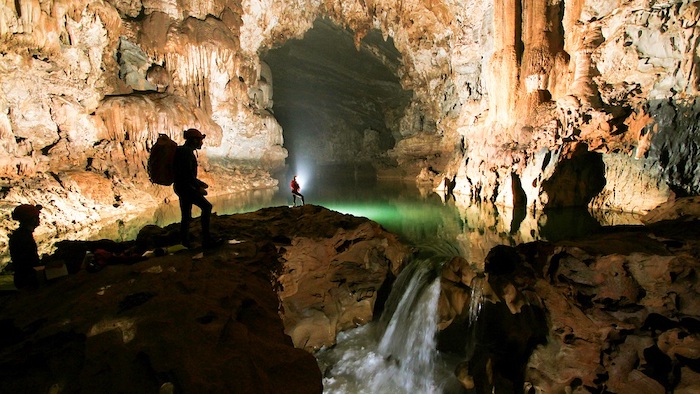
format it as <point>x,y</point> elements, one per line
<point>519,204</point>
<point>675,144</point>
<point>574,184</point>
<point>360,172</point>
<point>576,180</point>
<point>497,344</point>
<point>335,103</point>
<point>567,223</point>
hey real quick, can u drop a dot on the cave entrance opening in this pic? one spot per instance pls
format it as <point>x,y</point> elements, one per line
<point>339,106</point>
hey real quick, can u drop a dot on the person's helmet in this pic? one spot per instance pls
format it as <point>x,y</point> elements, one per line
<point>26,212</point>
<point>193,133</point>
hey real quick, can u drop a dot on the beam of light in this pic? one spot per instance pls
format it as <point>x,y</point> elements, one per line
<point>304,173</point>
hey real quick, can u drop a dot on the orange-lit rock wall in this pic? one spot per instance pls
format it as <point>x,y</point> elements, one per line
<point>611,77</point>
<point>88,86</point>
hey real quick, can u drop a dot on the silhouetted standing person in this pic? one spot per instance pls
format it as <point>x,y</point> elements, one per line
<point>294,185</point>
<point>23,249</point>
<point>190,189</point>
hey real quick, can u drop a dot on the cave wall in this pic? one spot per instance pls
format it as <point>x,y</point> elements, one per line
<point>598,86</point>
<point>510,90</point>
<point>88,86</point>
<point>504,85</point>
<point>568,73</point>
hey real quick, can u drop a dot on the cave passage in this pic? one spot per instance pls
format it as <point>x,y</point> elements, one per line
<point>337,106</point>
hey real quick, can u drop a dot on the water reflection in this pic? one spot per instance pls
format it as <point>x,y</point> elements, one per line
<point>418,216</point>
<point>168,213</point>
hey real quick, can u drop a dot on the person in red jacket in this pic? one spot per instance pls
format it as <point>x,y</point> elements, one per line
<point>294,185</point>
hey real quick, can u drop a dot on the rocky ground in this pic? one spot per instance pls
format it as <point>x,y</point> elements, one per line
<point>198,320</point>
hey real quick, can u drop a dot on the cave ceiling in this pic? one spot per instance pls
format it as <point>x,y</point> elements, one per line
<point>328,92</point>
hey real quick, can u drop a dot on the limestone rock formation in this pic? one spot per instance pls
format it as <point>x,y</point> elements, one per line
<point>616,311</point>
<point>88,87</point>
<point>315,269</point>
<point>212,320</point>
<point>515,92</point>
<point>525,104</point>
<point>334,270</point>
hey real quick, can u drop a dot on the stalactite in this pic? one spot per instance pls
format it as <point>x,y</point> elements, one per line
<point>690,36</point>
<point>142,117</point>
<point>538,54</point>
<point>504,64</point>
<point>476,69</point>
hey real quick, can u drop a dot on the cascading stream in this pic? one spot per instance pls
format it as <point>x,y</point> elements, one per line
<point>476,301</point>
<point>409,339</point>
<point>397,354</point>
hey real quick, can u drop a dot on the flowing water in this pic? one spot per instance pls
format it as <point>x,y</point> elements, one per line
<point>398,353</point>
<point>476,300</point>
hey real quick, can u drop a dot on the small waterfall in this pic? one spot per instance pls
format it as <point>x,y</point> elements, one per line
<point>397,354</point>
<point>475,305</point>
<point>409,339</point>
<point>477,298</point>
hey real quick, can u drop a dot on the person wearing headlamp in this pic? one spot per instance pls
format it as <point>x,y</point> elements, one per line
<point>190,189</point>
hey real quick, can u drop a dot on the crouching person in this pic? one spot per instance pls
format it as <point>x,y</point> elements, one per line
<point>23,249</point>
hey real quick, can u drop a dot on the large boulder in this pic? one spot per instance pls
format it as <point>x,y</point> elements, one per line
<point>334,269</point>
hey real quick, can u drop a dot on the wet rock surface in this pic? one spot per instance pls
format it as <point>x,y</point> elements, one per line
<point>615,311</point>
<point>201,320</point>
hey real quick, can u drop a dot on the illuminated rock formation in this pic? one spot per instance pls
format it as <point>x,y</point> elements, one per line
<point>329,284</point>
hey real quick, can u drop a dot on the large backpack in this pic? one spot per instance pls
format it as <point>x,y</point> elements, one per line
<point>161,161</point>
